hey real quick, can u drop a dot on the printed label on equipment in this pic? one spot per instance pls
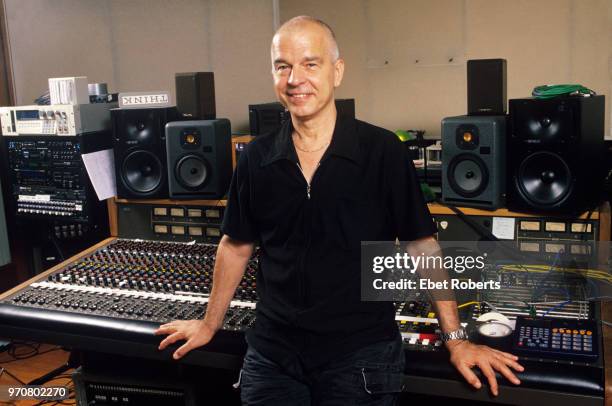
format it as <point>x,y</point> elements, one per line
<point>144,99</point>
<point>34,198</point>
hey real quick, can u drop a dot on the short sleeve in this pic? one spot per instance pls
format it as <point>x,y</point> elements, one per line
<point>410,215</point>
<point>238,218</point>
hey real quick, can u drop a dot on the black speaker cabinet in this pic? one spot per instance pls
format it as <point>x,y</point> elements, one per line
<point>556,147</point>
<point>473,161</point>
<point>195,95</point>
<point>139,144</point>
<point>267,117</point>
<point>486,86</point>
<point>199,158</point>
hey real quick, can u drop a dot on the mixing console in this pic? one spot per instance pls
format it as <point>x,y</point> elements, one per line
<point>141,280</point>
<point>159,281</point>
<point>112,300</point>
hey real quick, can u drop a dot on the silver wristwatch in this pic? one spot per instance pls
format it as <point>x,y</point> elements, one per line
<point>460,334</point>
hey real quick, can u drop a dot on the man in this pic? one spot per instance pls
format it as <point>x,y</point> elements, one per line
<point>309,194</point>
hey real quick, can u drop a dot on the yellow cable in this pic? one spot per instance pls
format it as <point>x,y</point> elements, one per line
<point>467,304</point>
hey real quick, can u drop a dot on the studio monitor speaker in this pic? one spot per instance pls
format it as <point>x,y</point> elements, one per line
<point>557,149</point>
<point>486,86</point>
<point>195,95</point>
<point>199,158</point>
<point>473,161</point>
<point>139,144</point>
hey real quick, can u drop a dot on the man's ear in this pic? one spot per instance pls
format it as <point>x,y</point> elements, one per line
<point>338,72</point>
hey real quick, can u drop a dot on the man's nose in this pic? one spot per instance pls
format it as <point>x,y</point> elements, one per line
<point>296,77</point>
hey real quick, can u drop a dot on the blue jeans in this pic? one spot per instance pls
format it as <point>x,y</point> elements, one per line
<point>371,375</point>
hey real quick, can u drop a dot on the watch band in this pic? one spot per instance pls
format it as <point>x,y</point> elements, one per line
<point>459,334</point>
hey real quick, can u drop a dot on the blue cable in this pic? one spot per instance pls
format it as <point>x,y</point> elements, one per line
<point>557,307</point>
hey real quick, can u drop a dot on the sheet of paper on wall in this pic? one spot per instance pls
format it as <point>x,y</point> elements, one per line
<point>100,167</point>
<point>503,228</point>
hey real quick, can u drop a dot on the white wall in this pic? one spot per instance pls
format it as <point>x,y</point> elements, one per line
<point>241,31</point>
<point>139,45</point>
<point>56,38</point>
<point>154,39</point>
<point>408,57</point>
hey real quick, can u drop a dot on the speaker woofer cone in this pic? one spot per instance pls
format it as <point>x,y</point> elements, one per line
<point>468,175</point>
<point>191,171</point>
<point>544,178</point>
<point>141,172</point>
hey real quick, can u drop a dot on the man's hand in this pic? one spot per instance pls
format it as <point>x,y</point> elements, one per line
<point>465,356</point>
<point>196,332</point>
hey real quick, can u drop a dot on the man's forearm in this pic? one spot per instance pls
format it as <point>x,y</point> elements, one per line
<point>448,317</point>
<point>443,300</point>
<point>231,261</point>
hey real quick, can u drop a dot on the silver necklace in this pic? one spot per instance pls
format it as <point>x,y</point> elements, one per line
<point>311,150</point>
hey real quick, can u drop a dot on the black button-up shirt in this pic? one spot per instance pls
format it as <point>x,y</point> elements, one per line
<point>308,282</point>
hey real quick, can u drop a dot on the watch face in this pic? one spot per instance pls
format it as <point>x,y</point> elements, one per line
<point>494,329</point>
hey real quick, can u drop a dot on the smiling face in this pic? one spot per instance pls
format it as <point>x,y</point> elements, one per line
<point>305,69</point>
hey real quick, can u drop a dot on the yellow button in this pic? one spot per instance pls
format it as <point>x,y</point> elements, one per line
<point>555,330</point>
<point>582,332</point>
<point>561,330</point>
<point>431,315</point>
<point>589,332</point>
<point>575,332</point>
<point>403,322</point>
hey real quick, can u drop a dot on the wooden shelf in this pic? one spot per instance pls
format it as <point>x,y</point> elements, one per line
<point>436,208</point>
<point>173,202</point>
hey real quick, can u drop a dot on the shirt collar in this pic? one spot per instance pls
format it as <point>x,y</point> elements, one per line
<point>344,142</point>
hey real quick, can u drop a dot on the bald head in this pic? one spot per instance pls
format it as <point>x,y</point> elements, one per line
<point>306,22</point>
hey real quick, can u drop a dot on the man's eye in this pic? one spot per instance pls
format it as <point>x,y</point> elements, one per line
<point>281,68</point>
<point>311,65</point>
